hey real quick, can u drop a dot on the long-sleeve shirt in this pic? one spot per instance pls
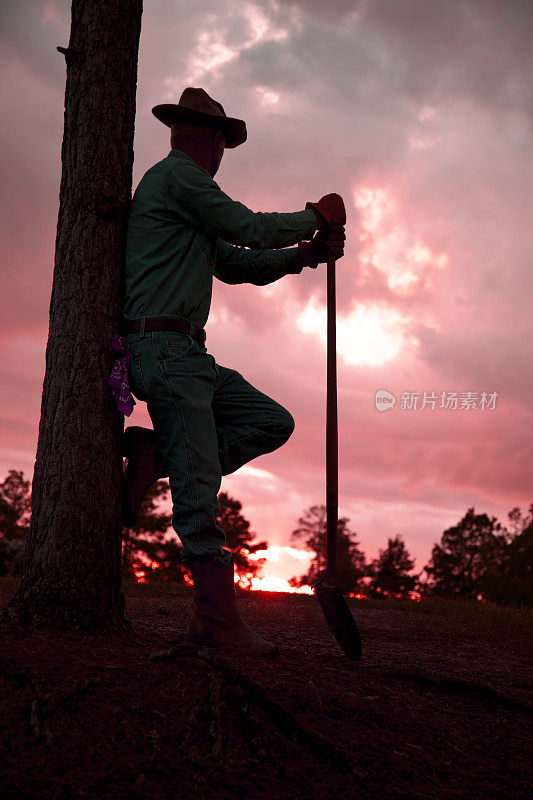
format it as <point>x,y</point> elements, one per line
<point>183,230</point>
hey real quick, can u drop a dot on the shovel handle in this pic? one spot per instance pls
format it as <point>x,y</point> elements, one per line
<point>332,465</point>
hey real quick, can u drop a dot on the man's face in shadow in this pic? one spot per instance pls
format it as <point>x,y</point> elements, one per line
<point>203,143</point>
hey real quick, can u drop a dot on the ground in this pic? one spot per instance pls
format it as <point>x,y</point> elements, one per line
<point>438,707</point>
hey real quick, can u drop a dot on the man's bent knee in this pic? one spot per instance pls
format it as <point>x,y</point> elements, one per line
<point>284,423</point>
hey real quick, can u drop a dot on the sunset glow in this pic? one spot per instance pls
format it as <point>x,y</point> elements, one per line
<point>277,585</point>
<point>261,583</point>
<point>266,579</point>
<point>370,335</point>
<point>274,553</point>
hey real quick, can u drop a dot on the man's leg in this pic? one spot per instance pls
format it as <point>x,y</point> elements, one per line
<point>184,425</point>
<point>248,422</point>
<point>177,377</point>
<point>172,375</point>
<point>179,405</point>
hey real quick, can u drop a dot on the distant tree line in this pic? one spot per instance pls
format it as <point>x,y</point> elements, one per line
<point>149,551</point>
<point>15,515</point>
<point>478,558</point>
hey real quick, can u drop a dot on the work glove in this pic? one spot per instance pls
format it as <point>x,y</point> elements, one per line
<point>329,210</point>
<point>329,239</point>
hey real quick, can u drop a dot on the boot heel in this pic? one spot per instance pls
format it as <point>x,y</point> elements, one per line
<point>130,441</point>
<point>144,467</point>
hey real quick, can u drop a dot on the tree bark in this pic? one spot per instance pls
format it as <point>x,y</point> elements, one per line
<point>71,576</point>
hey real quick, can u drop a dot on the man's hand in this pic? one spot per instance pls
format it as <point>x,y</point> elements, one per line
<point>329,239</point>
<point>329,210</point>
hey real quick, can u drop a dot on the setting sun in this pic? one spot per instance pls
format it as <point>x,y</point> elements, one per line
<point>273,584</point>
<point>368,335</point>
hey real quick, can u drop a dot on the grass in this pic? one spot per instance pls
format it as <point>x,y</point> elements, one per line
<point>131,588</point>
<point>491,617</point>
<point>460,614</point>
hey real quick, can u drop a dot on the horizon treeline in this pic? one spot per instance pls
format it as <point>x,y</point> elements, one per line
<point>479,558</point>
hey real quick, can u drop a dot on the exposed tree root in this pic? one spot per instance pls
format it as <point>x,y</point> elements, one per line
<point>463,687</point>
<point>45,702</point>
<point>213,703</point>
<point>284,720</point>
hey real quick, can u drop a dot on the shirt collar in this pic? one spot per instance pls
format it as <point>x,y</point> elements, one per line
<point>174,153</point>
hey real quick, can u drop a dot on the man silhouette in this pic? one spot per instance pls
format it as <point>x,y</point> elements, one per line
<point>208,420</point>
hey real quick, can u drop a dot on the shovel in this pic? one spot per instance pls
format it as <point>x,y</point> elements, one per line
<point>335,608</point>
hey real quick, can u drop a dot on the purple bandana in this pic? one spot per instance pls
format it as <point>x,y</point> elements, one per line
<point>118,380</point>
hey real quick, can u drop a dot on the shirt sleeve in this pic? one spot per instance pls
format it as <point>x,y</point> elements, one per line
<point>198,200</point>
<point>239,265</point>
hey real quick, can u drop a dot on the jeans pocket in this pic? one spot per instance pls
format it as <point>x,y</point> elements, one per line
<point>136,378</point>
<point>174,346</point>
<point>133,338</point>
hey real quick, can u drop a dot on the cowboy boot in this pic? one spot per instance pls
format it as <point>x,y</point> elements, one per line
<point>143,468</point>
<point>216,621</point>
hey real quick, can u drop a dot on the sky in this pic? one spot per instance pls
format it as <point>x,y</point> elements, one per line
<point>419,113</point>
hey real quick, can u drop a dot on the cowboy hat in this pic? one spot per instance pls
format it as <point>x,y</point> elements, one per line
<point>196,106</point>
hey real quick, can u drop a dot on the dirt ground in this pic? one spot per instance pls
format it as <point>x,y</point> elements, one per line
<point>439,706</point>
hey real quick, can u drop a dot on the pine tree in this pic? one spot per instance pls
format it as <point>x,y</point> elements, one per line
<point>146,546</point>
<point>15,513</point>
<point>469,554</point>
<point>510,580</point>
<point>389,571</point>
<point>239,538</point>
<point>71,575</point>
<point>351,566</point>
<point>15,506</point>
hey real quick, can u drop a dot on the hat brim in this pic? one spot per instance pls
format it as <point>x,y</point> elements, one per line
<point>235,129</point>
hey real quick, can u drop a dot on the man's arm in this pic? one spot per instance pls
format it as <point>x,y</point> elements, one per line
<point>196,198</point>
<point>239,265</point>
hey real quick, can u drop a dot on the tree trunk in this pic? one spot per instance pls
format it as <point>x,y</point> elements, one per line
<point>71,576</point>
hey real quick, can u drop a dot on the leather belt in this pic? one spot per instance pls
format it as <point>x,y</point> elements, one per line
<point>163,324</point>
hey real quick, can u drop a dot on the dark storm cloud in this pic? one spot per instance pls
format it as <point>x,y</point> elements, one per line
<point>30,31</point>
<point>334,10</point>
<point>429,49</point>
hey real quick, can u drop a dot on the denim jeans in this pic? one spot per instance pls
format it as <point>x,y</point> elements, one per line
<point>208,421</point>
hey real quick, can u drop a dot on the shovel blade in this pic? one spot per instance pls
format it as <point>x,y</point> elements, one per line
<point>340,620</point>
